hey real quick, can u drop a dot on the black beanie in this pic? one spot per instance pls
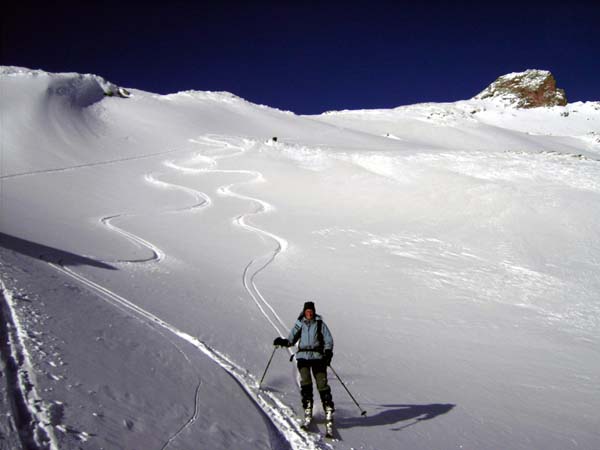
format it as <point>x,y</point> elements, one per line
<point>309,305</point>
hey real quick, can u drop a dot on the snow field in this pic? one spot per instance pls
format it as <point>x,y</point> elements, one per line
<point>452,249</point>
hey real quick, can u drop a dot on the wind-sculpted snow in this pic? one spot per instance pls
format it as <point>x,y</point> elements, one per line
<point>573,171</point>
<point>217,97</point>
<point>446,264</point>
<point>312,157</point>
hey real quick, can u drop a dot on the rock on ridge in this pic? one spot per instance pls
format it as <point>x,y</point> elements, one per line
<point>529,89</point>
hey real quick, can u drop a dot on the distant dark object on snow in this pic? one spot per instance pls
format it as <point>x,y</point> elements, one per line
<point>529,89</point>
<point>121,92</point>
<point>274,138</point>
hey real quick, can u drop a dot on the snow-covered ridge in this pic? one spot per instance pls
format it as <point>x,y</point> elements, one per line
<point>68,83</point>
<point>489,120</point>
<point>16,70</point>
<point>223,96</point>
<point>479,123</point>
<point>463,108</point>
<point>84,89</point>
<point>216,96</point>
<point>529,89</point>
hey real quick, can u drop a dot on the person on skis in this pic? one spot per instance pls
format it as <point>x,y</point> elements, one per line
<point>315,351</point>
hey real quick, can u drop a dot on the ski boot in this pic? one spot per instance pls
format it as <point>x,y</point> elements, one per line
<point>329,421</point>
<point>307,404</point>
<point>308,415</point>
<point>329,408</point>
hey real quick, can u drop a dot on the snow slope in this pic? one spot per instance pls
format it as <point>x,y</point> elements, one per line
<point>152,247</point>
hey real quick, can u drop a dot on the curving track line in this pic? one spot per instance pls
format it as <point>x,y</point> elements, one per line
<point>157,255</point>
<point>190,421</point>
<point>279,414</point>
<point>88,165</point>
<point>202,200</point>
<point>250,273</point>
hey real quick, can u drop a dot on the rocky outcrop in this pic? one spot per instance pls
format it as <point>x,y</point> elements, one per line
<point>529,89</point>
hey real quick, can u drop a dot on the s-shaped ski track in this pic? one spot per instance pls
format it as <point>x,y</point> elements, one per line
<point>281,416</point>
<point>157,255</point>
<point>250,271</point>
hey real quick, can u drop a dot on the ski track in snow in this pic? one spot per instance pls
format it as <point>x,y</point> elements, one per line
<point>249,274</point>
<point>40,426</point>
<point>190,421</point>
<point>88,165</point>
<point>280,415</point>
<point>202,201</point>
<point>157,254</point>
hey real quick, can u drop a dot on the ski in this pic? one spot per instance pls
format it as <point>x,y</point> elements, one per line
<point>308,425</point>
<point>313,430</point>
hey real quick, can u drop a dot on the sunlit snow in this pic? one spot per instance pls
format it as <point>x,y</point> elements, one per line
<point>152,247</point>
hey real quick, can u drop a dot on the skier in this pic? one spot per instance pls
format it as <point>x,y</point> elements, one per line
<point>315,351</point>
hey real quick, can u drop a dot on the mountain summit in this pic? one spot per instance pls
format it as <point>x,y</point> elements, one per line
<point>529,89</point>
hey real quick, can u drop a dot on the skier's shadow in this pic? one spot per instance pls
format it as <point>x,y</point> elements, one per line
<point>394,414</point>
<point>48,254</point>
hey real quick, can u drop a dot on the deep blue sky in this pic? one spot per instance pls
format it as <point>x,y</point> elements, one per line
<point>311,57</point>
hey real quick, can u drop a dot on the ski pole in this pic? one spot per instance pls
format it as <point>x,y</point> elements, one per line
<point>362,412</point>
<point>267,368</point>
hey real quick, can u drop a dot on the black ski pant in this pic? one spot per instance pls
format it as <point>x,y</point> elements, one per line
<point>319,372</point>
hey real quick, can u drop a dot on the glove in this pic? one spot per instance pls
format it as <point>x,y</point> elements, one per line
<point>281,342</point>
<point>328,356</point>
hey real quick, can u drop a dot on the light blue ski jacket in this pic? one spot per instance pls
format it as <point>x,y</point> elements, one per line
<point>305,333</point>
